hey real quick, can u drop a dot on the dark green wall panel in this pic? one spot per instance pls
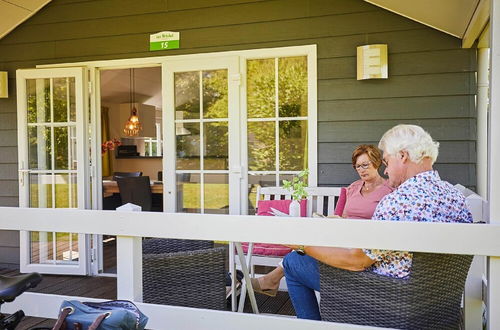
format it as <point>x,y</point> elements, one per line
<point>401,108</point>
<point>431,79</point>
<point>398,86</point>
<point>361,131</point>
<point>403,64</point>
<point>449,151</point>
<point>344,174</point>
<point>9,155</point>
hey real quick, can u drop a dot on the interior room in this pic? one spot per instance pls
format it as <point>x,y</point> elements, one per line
<point>131,119</point>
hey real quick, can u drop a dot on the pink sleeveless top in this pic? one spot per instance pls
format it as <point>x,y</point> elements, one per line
<point>363,206</point>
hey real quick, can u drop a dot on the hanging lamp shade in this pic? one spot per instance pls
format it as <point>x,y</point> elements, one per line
<point>133,125</point>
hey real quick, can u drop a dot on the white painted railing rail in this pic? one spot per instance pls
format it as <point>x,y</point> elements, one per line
<point>476,239</point>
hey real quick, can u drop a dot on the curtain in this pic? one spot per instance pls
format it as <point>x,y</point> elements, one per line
<point>107,165</point>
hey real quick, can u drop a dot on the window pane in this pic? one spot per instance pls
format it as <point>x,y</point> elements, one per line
<point>216,193</point>
<point>188,193</point>
<point>188,148</point>
<point>62,246</point>
<point>261,91</point>
<point>39,148</point>
<point>292,86</point>
<point>74,189</point>
<point>293,146</point>
<point>61,148</point>
<point>72,145</point>
<point>255,181</point>
<point>38,97</point>
<point>60,99</point>
<point>62,191</point>
<point>187,95</point>
<point>41,247</point>
<point>261,146</point>
<point>215,94</point>
<point>40,190</point>
<point>288,177</point>
<point>74,247</point>
<point>216,155</point>
<point>72,99</point>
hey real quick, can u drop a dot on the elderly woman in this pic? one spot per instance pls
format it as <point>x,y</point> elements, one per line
<point>362,197</point>
<point>409,153</point>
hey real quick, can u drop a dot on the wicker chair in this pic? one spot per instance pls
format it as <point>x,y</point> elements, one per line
<point>185,273</point>
<point>429,299</point>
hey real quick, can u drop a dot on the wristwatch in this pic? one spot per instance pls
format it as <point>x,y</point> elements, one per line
<point>301,250</point>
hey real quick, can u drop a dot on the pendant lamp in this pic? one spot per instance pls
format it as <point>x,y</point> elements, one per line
<point>133,125</point>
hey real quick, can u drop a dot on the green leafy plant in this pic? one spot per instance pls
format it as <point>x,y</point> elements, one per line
<point>297,185</point>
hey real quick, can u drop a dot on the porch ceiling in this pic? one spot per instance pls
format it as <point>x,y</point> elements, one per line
<point>454,17</point>
<point>14,12</point>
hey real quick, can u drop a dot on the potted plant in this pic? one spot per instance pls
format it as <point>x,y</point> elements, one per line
<point>298,188</point>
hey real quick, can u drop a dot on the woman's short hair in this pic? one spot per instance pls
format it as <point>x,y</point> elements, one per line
<point>371,151</point>
<point>410,138</point>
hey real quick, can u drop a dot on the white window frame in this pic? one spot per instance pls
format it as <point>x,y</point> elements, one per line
<point>79,73</point>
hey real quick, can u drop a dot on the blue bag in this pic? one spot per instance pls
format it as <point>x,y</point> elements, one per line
<point>107,315</point>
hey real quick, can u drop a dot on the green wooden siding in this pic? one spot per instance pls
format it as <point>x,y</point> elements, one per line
<point>431,79</point>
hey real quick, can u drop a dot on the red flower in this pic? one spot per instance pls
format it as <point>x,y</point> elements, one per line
<point>110,145</point>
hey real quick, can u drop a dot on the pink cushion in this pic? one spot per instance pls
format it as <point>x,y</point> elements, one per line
<point>265,249</point>
<point>264,208</point>
<point>339,208</point>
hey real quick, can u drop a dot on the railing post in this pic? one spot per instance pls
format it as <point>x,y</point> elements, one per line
<point>493,299</point>
<point>129,266</point>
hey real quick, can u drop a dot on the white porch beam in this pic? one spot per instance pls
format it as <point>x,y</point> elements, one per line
<point>179,318</point>
<point>494,160</point>
<point>472,239</point>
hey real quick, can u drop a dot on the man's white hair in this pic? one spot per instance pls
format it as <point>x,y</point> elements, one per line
<point>412,139</point>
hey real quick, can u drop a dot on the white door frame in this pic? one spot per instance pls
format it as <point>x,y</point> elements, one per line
<point>94,66</point>
<point>79,73</point>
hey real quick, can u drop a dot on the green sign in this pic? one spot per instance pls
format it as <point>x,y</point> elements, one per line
<point>164,40</point>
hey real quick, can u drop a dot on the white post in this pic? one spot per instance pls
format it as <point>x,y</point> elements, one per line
<point>129,268</point>
<point>129,265</point>
<point>483,60</point>
<point>494,159</point>
<point>473,302</point>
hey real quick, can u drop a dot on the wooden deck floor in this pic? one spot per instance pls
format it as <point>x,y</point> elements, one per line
<point>105,288</point>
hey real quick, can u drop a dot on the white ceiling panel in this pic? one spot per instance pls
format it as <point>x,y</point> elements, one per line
<point>450,16</point>
<point>14,12</point>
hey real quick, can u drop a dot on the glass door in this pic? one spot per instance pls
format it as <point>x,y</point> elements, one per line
<point>201,126</point>
<point>53,158</point>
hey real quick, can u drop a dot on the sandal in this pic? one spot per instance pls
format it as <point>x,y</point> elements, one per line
<point>256,287</point>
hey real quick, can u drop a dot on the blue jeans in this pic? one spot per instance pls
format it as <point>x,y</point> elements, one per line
<point>302,279</point>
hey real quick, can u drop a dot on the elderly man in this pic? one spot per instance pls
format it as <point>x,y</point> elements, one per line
<point>409,153</point>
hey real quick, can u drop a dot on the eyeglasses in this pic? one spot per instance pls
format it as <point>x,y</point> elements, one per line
<point>364,166</point>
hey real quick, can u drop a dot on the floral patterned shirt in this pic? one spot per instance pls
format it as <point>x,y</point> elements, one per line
<point>424,197</point>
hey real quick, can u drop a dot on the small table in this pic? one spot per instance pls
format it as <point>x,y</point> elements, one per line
<point>110,187</point>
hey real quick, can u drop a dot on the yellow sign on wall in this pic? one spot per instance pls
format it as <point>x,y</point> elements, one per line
<point>4,86</point>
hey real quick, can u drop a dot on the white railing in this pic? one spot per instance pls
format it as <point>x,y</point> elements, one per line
<point>476,239</point>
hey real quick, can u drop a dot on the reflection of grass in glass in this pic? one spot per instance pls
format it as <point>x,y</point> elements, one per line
<point>62,195</point>
<point>217,195</point>
<point>60,237</point>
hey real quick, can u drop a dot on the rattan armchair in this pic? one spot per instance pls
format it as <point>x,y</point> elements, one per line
<point>184,273</point>
<point>428,299</point>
